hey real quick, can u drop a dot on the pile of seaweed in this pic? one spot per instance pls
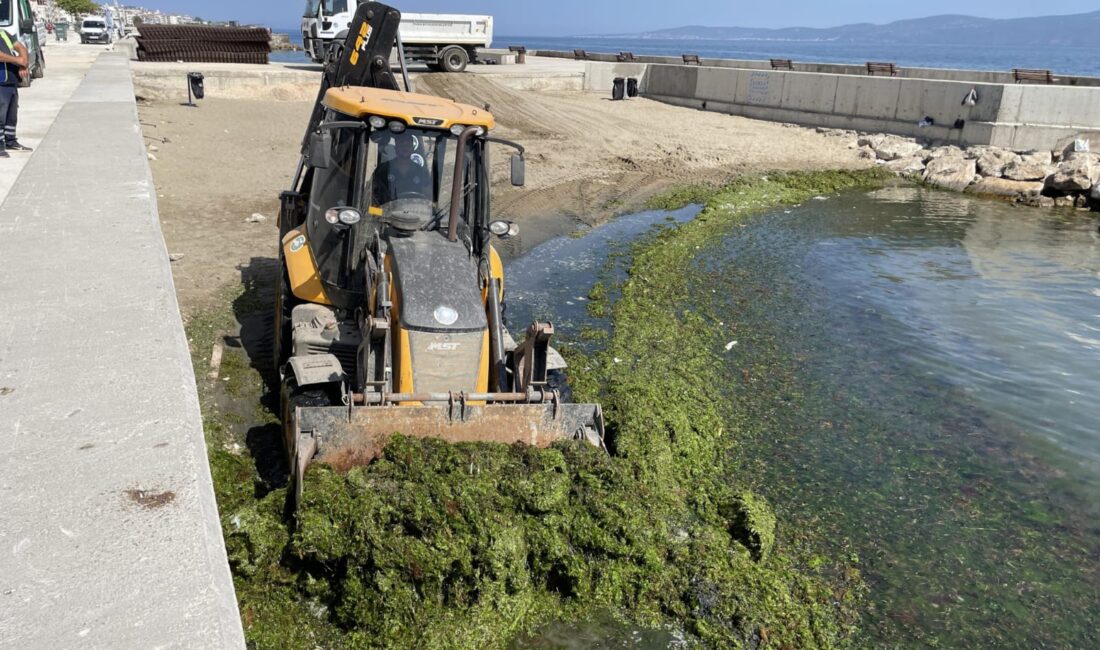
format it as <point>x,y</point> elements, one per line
<point>475,545</point>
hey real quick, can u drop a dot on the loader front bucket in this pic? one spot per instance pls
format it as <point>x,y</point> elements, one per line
<point>344,438</point>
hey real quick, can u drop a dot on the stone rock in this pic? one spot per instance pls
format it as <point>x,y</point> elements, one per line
<point>1077,174</point>
<point>1064,202</point>
<point>1024,171</point>
<point>940,152</point>
<point>1019,190</point>
<point>895,148</point>
<point>951,172</point>
<point>1081,202</point>
<point>992,162</point>
<point>1065,145</point>
<point>871,139</point>
<point>1040,201</point>
<point>867,153</point>
<point>1095,194</point>
<point>976,151</point>
<point>1037,157</point>
<point>912,165</point>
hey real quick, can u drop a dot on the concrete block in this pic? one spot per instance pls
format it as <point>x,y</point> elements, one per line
<point>944,101</point>
<point>1058,106</point>
<point>719,84</point>
<point>815,93</point>
<point>599,77</point>
<point>868,97</point>
<point>673,80</point>
<point>497,58</point>
<point>760,88</point>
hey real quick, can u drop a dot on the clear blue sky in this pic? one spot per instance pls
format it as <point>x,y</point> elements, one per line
<point>578,17</point>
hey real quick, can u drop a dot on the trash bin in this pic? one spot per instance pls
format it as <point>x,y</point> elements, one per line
<point>61,31</point>
<point>618,90</point>
<point>196,87</point>
<point>632,87</point>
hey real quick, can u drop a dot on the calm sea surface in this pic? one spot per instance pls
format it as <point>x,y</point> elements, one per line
<point>1065,60</point>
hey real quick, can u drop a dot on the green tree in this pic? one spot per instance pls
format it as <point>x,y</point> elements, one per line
<point>78,8</point>
<point>138,21</point>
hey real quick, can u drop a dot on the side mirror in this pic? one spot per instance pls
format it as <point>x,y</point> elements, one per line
<point>519,170</point>
<point>320,149</point>
<point>26,26</point>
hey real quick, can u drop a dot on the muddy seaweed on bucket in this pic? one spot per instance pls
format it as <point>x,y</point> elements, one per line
<point>477,545</point>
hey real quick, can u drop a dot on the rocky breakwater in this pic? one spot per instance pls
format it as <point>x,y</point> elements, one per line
<point>1068,176</point>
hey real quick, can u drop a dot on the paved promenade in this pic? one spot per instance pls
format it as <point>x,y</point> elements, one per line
<point>109,534</point>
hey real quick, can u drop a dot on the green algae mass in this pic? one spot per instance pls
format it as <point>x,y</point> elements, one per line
<point>474,546</point>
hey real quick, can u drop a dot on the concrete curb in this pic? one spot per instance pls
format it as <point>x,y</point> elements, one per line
<point>109,530</point>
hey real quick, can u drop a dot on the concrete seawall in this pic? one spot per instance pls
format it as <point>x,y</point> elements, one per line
<point>1005,115</point>
<point>109,531</point>
<point>941,74</point>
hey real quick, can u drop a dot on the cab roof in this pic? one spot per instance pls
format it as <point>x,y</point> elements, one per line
<point>413,109</point>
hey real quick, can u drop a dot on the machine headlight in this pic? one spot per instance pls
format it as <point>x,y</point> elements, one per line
<point>446,315</point>
<point>346,216</point>
<point>504,229</point>
<point>350,217</point>
<point>457,129</point>
<point>377,122</point>
<point>397,127</point>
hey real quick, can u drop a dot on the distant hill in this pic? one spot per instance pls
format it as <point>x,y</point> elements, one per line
<point>1078,29</point>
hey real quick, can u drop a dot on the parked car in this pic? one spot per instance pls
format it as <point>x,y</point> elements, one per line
<point>94,30</point>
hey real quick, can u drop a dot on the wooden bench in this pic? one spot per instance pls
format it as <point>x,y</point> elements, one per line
<point>890,68</point>
<point>782,64</point>
<point>691,59</point>
<point>580,55</point>
<point>1042,76</point>
<point>626,57</point>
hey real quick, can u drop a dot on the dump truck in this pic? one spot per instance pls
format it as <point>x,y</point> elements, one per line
<point>444,42</point>
<point>389,312</point>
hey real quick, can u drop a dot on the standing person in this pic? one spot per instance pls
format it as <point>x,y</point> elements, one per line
<point>13,58</point>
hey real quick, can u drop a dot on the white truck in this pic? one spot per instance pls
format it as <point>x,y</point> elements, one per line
<point>447,42</point>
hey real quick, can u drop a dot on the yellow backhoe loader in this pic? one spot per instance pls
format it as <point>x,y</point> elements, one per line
<point>389,313</point>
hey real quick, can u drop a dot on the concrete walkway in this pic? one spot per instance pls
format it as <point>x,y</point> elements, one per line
<point>109,534</point>
<point>66,65</point>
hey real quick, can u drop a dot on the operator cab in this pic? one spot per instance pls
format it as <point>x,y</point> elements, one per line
<point>384,163</point>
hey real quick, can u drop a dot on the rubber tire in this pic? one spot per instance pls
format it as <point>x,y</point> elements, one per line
<point>454,59</point>
<point>557,380</point>
<point>282,344</point>
<point>292,398</point>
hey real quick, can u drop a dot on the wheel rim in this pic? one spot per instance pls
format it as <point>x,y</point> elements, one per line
<point>455,60</point>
